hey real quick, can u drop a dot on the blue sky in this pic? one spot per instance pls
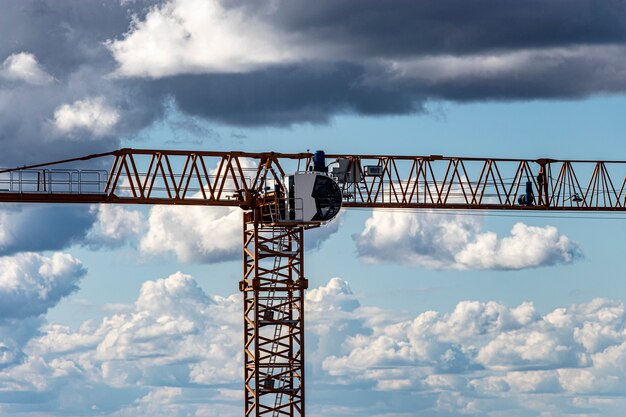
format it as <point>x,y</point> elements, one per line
<point>134,311</point>
<point>531,130</point>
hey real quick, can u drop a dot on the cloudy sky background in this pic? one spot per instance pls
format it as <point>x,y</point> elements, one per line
<point>120,311</point>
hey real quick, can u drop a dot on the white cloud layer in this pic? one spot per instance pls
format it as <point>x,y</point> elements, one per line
<point>456,242</point>
<point>199,36</point>
<point>23,66</point>
<point>207,234</point>
<point>173,336</point>
<point>177,351</point>
<point>31,283</point>
<point>114,226</point>
<point>91,114</point>
<point>194,234</point>
<point>314,238</point>
<point>490,359</point>
<point>531,61</point>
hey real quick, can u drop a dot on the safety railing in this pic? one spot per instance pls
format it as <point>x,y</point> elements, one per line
<point>365,181</point>
<point>54,181</point>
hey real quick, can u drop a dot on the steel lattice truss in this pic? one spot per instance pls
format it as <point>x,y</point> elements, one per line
<point>273,298</point>
<point>273,284</point>
<point>236,179</point>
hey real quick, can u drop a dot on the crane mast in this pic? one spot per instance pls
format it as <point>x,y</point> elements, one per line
<point>282,195</point>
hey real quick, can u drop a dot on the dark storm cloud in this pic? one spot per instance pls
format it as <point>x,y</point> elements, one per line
<point>289,94</point>
<point>536,45</point>
<point>409,27</point>
<point>65,34</point>
<point>66,38</point>
<point>533,76</point>
<point>372,63</point>
<point>40,228</point>
<point>284,95</point>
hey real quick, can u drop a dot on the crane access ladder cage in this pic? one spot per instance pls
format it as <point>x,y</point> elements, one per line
<point>273,289</point>
<point>275,375</point>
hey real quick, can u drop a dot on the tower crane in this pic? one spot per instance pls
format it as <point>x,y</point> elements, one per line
<point>282,195</point>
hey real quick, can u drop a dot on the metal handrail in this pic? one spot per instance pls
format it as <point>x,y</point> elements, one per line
<point>54,181</point>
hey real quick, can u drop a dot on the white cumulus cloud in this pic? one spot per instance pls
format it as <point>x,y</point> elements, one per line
<point>209,234</point>
<point>199,36</point>
<point>23,66</point>
<point>457,242</point>
<point>31,283</point>
<point>173,335</point>
<point>91,114</point>
<point>314,238</point>
<point>492,358</point>
<point>115,225</point>
<point>176,343</point>
<point>194,233</point>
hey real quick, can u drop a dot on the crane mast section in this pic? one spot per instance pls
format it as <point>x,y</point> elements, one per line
<point>242,179</point>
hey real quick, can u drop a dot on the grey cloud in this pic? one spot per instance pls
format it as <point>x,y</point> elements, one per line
<point>283,95</point>
<point>40,228</point>
<point>381,58</point>
<point>27,130</point>
<point>407,28</point>
<point>535,74</point>
<point>377,58</point>
<point>66,39</point>
<point>65,35</point>
<point>359,47</point>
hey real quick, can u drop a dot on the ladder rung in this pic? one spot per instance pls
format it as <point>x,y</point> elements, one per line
<point>267,253</point>
<point>278,322</point>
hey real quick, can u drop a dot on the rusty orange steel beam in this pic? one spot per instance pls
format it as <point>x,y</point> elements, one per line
<point>143,176</point>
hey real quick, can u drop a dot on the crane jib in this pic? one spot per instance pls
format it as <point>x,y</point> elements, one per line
<point>282,195</point>
<point>241,179</point>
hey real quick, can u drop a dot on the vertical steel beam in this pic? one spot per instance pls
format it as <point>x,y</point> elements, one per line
<point>273,288</point>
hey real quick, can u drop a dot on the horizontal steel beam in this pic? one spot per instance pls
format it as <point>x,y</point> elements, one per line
<point>239,179</point>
